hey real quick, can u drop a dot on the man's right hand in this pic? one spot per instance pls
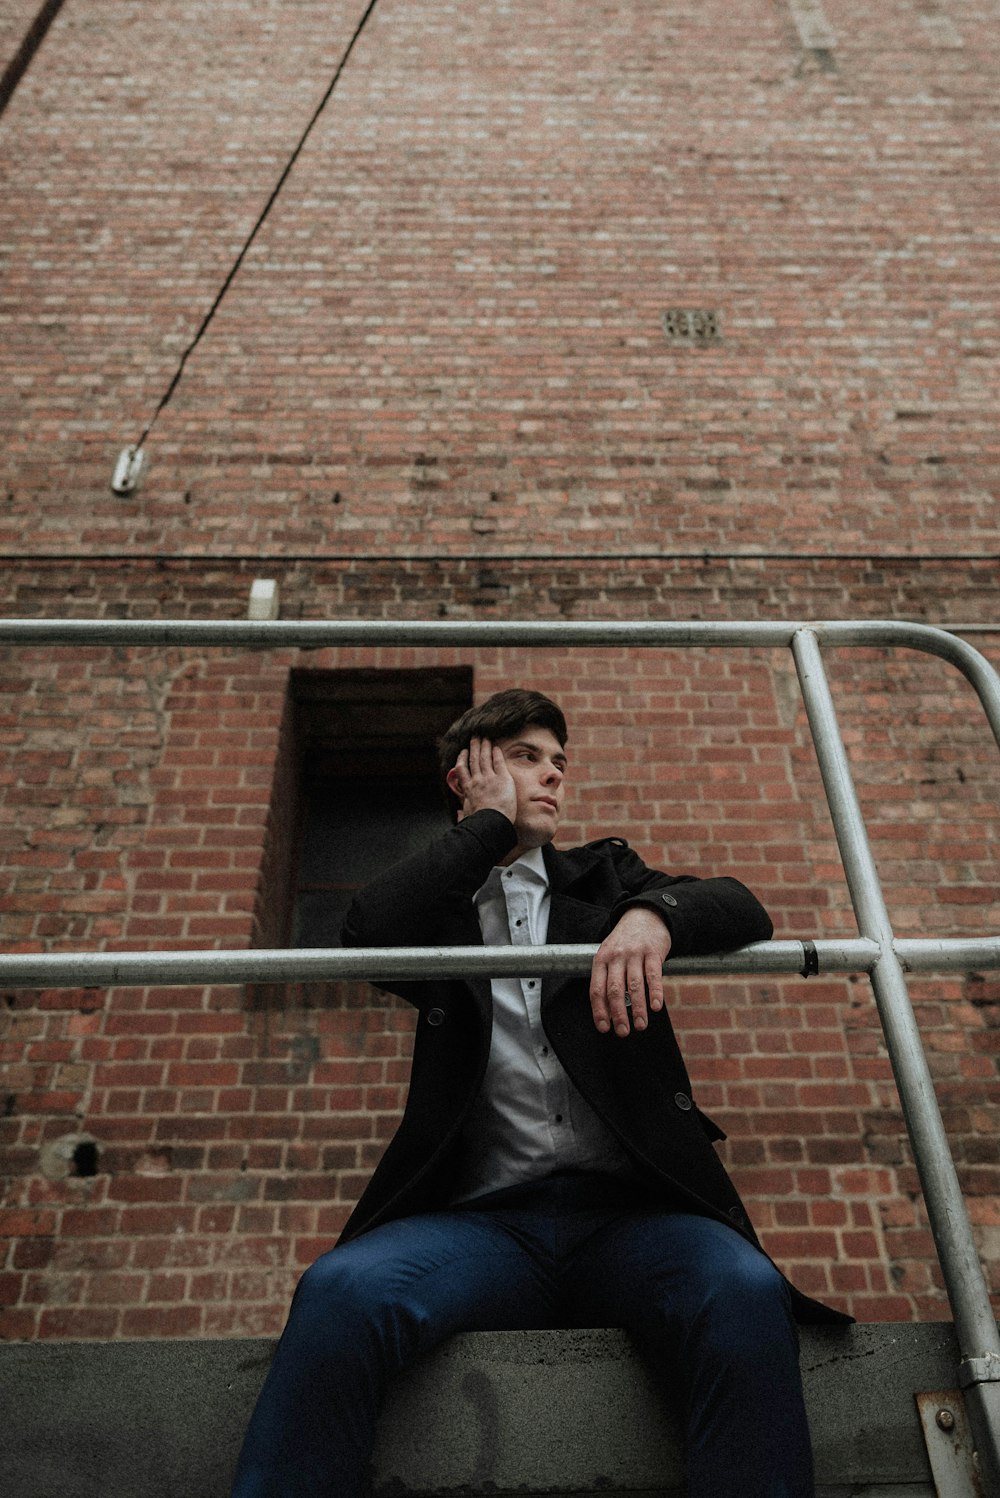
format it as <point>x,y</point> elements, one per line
<point>482,781</point>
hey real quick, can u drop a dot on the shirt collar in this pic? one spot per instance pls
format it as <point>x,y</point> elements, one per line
<point>531,864</point>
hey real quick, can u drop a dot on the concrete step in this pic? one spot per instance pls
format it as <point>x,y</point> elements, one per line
<point>541,1413</point>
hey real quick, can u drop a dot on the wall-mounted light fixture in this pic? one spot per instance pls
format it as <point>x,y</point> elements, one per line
<point>264,601</point>
<point>128,470</point>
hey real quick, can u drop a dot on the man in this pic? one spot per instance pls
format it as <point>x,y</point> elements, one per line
<point>551,1167</point>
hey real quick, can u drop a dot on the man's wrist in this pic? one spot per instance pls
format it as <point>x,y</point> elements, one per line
<point>493,829</point>
<point>490,805</point>
<point>658,902</point>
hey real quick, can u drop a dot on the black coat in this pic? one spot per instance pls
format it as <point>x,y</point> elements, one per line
<point>639,1085</point>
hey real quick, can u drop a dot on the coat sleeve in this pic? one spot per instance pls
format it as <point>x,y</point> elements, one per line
<point>402,907</point>
<point>703,916</point>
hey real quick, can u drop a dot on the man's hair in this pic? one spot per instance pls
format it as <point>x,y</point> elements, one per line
<point>501,716</point>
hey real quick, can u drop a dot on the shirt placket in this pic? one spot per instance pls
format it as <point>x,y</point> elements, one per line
<point>520,909</point>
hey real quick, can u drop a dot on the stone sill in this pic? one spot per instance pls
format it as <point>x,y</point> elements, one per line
<point>543,1413</point>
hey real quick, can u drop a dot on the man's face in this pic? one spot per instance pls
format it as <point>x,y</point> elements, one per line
<point>537,764</point>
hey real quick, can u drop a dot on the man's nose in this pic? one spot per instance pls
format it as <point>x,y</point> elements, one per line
<point>552,773</point>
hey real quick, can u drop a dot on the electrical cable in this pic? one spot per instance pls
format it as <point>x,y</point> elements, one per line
<point>30,43</point>
<point>490,559</point>
<point>234,270</point>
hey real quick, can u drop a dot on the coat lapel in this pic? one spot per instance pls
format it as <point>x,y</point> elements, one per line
<point>459,924</point>
<point>459,927</point>
<point>571,918</point>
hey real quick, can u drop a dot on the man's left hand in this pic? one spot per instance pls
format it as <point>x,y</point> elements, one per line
<point>629,963</point>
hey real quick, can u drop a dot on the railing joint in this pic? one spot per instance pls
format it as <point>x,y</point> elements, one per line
<point>980,1370</point>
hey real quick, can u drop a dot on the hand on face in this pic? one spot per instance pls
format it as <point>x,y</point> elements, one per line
<point>482,780</point>
<point>521,776</point>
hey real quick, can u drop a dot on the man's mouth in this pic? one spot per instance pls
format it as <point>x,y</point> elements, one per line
<point>547,801</point>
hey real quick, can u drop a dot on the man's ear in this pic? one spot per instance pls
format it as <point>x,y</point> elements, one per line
<point>452,781</point>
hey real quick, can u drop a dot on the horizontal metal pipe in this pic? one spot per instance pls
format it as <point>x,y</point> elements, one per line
<point>290,965</point>
<point>958,954</point>
<point>315,633</point>
<point>330,964</point>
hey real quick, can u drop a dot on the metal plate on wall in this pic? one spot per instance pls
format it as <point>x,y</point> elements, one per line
<point>691,325</point>
<point>949,1445</point>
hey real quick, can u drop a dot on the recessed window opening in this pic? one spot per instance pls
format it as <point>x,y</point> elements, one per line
<point>367,789</point>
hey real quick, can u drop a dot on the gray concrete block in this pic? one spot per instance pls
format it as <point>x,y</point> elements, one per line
<point>528,1412</point>
<point>535,1411</point>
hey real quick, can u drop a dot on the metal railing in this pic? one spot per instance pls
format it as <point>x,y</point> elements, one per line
<point>876,951</point>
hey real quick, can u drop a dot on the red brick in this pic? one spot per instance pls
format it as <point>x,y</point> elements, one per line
<point>77,1323</point>
<point>17,1224</point>
<point>162,1321</point>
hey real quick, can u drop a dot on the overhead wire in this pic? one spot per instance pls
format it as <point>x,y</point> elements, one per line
<point>258,225</point>
<point>30,43</point>
<point>491,558</point>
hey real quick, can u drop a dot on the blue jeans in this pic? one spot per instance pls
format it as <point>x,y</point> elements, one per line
<point>568,1251</point>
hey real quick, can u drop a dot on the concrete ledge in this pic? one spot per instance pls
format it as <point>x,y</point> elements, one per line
<point>498,1413</point>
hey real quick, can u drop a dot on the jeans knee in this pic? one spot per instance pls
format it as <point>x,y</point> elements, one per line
<point>751,1309</point>
<point>756,1281</point>
<point>329,1287</point>
<point>321,1281</point>
<point>360,1295</point>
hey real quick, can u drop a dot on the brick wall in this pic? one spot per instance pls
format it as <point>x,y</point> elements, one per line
<point>234,1131</point>
<point>441,386</point>
<point>447,336</point>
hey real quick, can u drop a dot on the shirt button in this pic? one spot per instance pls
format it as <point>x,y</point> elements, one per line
<point>668,899</point>
<point>558,1118</point>
<point>683,1101</point>
<point>531,982</point>
<point>518,923</point>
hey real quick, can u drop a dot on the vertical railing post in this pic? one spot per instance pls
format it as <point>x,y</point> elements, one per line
<point>975,1325</point>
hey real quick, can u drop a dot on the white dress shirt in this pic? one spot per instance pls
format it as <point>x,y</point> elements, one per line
<point>528,1120</point>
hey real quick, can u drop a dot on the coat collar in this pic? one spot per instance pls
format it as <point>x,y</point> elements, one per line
<point>570,919</point>
<point>564,869</point>
<point>460,924</point>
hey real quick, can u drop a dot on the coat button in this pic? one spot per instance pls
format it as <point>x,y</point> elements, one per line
<point>435,1017</point>
<point>735,1215</point>
<point>668,899</point>
<point>683,1101</point>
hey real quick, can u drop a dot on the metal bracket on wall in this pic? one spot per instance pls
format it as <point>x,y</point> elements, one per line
<point>949,1445</point>
<point>128,470</point>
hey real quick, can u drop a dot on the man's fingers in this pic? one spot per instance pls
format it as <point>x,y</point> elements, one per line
<point>481,779</point>
<point>636,992</point>
<point>654,981</point>
<point>627,976</point>
<point>599,997</point>
<point>607,998</point>
<point>622,996</point>
<point>618,1004</point>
